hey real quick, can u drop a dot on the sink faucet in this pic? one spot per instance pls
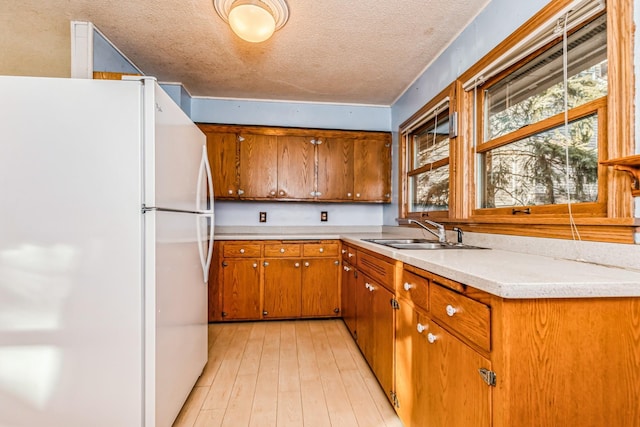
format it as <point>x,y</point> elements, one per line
<point>440,233</point>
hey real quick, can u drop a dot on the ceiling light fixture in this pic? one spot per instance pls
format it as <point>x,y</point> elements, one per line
<point>253,20</point>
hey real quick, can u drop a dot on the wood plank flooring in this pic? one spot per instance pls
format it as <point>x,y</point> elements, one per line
<point>305,373</point>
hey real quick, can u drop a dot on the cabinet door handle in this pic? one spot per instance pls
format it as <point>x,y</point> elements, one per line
<point>407,286</point>
<point>420,327</point>
<point>255,265</point>
<point>306,264</point>
<point>231,192</point>
<point>351,255</point>
<point>296,265</point>
<point>370,287</point>
<point>345,268</point>
<point>349,194</point>
<point>336,262</point>
<point>357,194</point>
<point>431,338</point>
<point>273,193</point>
<point>240,192</point>
<point>265,263</point>
<point>281,193</point>
<point>344,251</point>
<point>451,310</point>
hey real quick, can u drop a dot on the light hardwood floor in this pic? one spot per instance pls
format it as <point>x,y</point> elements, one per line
<point>286,373</point>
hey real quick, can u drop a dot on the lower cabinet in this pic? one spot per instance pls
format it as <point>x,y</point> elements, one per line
<point>253,280</point>
<point>375,317</point>
<point>348,297</point>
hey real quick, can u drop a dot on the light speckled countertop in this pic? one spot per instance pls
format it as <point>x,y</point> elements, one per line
<point>503,273</point>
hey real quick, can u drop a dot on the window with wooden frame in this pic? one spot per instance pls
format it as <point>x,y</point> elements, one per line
<point>426,147</point>
<point>541,132</point>
<point>537,164</point>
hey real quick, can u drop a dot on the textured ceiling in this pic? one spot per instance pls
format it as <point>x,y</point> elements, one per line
<point>365,52</point>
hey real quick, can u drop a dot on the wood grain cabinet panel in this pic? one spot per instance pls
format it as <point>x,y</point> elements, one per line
<point>240,289</point>
<point>335,169</point>
<point>348,296</point>
<point>223,158</point>
<point>296,168</point>
<point>263,163</point>
<point>320,287</point>
<point>372,170</point>
<point>282,291</point>
<point>258,170</point>
<point>281,250</point>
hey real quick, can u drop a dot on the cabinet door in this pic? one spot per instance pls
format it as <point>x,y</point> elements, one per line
<point>240,289</point>
<point>411,366</point>
<point>320,287</point>
<point>383,328</point>
<point>457,395</point>
<point>282,292</point>
<point>372,170</point>
<point>364,316</point>
<point>335,169</point>
<point>258,167</point>
<point>296,168</point>
<point>221,148</point>
<point>348,292</point>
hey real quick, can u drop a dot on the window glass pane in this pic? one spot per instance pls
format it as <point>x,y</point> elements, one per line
<point>532,171</point>
<point>431,143</point>
<point>535,91</point>
<point>429,191</point>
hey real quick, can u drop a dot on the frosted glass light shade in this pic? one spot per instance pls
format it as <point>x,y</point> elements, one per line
<point>251,21</point>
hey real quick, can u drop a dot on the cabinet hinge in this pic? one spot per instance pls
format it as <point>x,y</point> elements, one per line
<point>395,304</point>
<point>394,399</point>
<point>488,376</point>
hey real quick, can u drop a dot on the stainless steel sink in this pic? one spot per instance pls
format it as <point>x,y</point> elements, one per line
<point>423,244</point>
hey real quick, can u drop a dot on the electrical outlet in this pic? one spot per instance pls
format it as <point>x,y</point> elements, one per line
<point>324,216</point>
<point>263,217</point>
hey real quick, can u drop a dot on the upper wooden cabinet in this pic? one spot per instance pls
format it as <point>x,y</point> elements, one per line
<point>255,163</point>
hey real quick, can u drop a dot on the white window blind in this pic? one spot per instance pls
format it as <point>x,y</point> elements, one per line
<point>441,106</point>
<point>578,11</point>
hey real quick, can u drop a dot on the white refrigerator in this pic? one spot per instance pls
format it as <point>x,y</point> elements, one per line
<point>105,246</point>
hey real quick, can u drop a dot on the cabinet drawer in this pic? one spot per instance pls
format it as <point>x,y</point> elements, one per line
<point>378,269</point>
<point>468,317</point>
<point>349,254</point>
<point>279,250</point>
<point>320,249</point>
<point>414,288</point>
<point>248,250</point>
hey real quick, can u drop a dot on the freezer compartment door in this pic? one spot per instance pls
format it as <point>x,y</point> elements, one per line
<point>176,307</point>
<point>173,154</point>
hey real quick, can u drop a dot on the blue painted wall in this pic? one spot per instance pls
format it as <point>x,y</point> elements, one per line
<point>107,58</point>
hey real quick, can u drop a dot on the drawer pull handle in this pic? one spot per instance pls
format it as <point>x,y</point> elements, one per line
<point>451,310</point>
<point>344,251</point>
<point>407,286</point>
<point>345,268</point>
<point>350,255</point>
<point>420,327</point>
<point>370,287</point>
<point>281,250</point>
<point>241,251</point>
<point>431,338</point>
<point>321,250</point>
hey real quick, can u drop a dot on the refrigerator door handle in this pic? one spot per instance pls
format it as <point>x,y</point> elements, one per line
<point>205,170</point>
<point>205,262</point>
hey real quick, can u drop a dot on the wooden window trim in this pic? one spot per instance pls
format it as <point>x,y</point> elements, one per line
<point>610,221</point>
<point>404,162</point>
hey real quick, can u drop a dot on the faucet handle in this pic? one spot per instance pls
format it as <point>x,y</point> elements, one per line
<point>460,233</point>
